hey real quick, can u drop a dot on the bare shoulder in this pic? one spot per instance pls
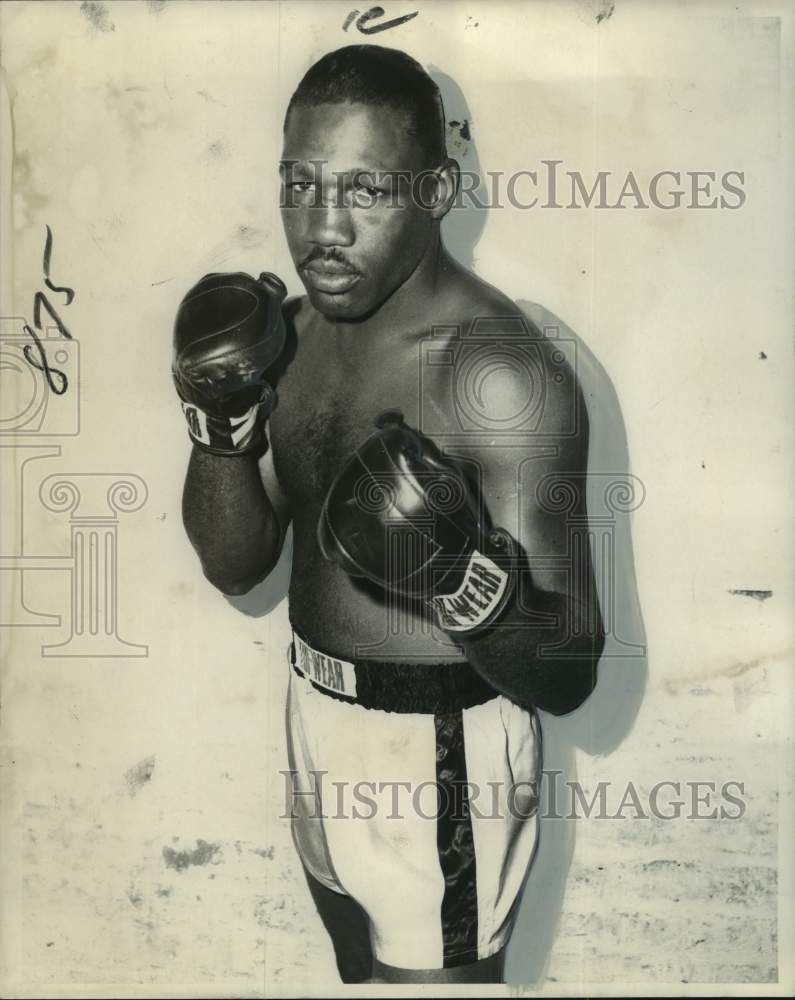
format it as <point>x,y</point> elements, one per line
<point>518,372</point>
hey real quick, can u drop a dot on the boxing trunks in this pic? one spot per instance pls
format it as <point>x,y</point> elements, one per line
<point>414,790</point>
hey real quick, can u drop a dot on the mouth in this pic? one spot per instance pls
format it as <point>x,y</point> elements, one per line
<point>329,276</point>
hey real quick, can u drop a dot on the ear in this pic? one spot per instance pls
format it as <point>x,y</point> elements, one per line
<point>447,176</point>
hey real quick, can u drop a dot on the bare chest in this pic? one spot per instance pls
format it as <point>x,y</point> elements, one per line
<point>328,402</point>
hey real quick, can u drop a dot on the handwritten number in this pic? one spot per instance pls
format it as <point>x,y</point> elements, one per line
<point>39,300</point>
<point>351,17</point>
<point>68,292</point>
<point>35,355</point>
<point>363,23</point>
<point>51,374</point>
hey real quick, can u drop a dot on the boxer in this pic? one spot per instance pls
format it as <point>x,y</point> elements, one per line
<point>431,618</point>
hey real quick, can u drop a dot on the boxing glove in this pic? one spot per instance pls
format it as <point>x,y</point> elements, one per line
<point>403,516</point>
<point>228,332</point>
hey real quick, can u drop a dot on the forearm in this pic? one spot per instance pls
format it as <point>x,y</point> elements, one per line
<point>230,520</point>
<point>549,666</point>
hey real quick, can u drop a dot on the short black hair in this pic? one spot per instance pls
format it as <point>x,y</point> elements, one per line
<point>379,77</point>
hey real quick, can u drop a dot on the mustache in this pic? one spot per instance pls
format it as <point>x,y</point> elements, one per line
<point>318,253</point>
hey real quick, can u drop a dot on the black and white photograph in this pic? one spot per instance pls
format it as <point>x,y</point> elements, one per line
<point>396,427</point>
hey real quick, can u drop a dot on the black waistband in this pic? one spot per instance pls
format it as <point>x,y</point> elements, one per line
<point>390,686</point>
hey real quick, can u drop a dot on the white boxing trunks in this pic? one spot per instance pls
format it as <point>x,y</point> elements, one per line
<point>414,790</point>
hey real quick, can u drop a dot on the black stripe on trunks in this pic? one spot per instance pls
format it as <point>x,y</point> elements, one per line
<point>455,844</point>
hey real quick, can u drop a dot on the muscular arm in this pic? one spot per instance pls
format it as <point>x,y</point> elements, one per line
<point>229,336</point>
<point>545,649</point>
<point>235,517</point>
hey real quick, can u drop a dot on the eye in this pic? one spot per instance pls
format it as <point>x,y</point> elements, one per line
<point>302,187</point>
<point>370,191</point>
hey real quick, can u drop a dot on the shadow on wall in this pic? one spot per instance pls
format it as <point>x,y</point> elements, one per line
<point>263,598</point>
<point>598,726</point>
<point>464,224</point>
<point>602,722</point>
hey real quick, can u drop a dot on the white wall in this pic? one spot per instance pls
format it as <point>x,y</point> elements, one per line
<point>145,135</point>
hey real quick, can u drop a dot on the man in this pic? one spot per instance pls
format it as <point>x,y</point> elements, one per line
<point>423,640</point>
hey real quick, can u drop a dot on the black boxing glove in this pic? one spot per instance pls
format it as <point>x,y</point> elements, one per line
<point>403,516</point>
<point>228,332</point>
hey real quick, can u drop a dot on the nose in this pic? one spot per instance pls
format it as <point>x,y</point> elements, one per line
<point>331,225</point>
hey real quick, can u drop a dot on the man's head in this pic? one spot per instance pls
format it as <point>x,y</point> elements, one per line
<point>366,177</point>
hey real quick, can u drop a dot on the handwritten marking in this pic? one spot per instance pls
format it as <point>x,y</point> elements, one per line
<point>349,19</point>
<point>68,292</point>
<point>56,379</point>
<point>363,22</point>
